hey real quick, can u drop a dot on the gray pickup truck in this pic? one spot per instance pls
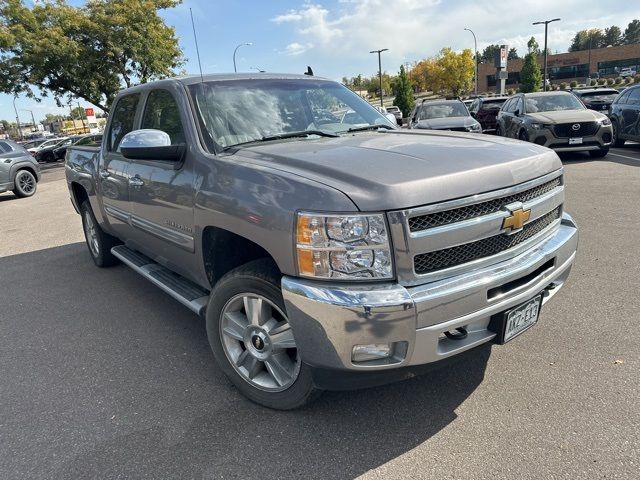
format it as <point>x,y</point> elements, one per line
<point>321,253</point>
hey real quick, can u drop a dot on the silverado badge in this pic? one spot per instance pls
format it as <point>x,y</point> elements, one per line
<point>516,220</point>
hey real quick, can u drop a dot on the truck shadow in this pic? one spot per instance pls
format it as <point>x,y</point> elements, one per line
<point>122,384</point>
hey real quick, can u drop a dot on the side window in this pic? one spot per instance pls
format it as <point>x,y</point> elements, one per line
<point>5,147</point>
<point>122,121</point>
<point>474,106</point>
<point>634,97</point>
<point>623,98</point>
<point>161,113</point>
<point>507,106</point>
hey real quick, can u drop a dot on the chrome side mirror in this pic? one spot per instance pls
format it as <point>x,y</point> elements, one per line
<point>150,144</point>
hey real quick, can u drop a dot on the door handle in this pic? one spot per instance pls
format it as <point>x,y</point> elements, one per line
<point>136,182</point>
<point>104,174</point>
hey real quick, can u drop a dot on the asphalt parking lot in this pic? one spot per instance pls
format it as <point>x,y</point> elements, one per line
<point>104,376</point>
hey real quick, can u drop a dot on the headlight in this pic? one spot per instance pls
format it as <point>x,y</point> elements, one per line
<point>343,246</point>
<point>605,121</point>
<point>541,126</point>
<point>476,127</point>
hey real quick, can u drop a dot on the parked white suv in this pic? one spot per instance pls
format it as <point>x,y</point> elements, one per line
<point>627,72</point>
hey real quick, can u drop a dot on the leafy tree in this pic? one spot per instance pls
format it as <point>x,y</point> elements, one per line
<point>489,53</point>
<point>583,38</point>
<point>89,52</point>
<point>51,118</point>
<point>632,33</point>
<point>612,36</point>
<point>457,70</point>
<point>404,93</point>
<point>530,76</point>
<point>513,54</point>
<point>78,113</point>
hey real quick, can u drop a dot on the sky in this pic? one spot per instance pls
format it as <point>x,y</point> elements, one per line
<point>334,37</point>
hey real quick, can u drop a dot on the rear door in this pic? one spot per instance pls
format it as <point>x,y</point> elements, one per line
<point>631,115</point>
<point>113,170</point>
<point>162,192</point>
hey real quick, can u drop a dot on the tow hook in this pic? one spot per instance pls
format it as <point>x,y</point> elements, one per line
<point>459,334</point>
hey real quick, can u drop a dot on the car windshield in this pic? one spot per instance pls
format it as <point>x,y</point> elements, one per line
<point>551,103</point>
<point>443,110</point>
<point>243,111</point>
<point>492,104</point>
<point>599,96</point>
<point>50,143</point>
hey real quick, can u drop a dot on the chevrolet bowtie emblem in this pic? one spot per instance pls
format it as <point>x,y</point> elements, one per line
<point>516,220</point>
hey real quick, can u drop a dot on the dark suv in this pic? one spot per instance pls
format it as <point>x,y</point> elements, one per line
<point>485,110</point>
<point>598,99</point>
<point>625,116</point>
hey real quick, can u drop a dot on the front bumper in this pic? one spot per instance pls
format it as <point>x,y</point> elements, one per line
<point>329,319</point>
<point>545,137</point>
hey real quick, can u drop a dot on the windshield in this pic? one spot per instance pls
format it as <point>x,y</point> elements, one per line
<point>241,111</point>
<point>551,103</point>
<point>443,110</point>
<point>599,96</point>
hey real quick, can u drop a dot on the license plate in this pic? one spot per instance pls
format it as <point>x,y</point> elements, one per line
<point>512,323</point>
<point>575,141</point>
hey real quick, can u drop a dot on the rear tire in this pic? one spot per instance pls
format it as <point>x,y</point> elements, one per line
<point>599,153</point>
<point>615,141</point>
<point>245,309</point>
<point>99,242</point>
<point>24,184</point>
<point>523,136</point>
<point>498,131</point>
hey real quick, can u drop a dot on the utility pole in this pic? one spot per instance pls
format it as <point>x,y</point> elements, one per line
<point>546,25</point>
<point>475,56</point>
<point>380,70</point>
<point>84,130</point>
<point>17,119</point>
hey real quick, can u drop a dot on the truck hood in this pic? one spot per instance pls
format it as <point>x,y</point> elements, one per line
<point>445,123</point>
<point>566,116</point>
<point>398,169</point>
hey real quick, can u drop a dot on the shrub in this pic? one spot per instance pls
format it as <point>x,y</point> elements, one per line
<point>627,80</point>
<point>574,84</point>
<point>636,78</point>
<point>602,81</point>
<point>593,82</point>
<point>563,85</point>
<point>610,81</point>
<point>617,81</point>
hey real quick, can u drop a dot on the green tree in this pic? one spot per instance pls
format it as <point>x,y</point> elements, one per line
<point>78,113</point>
<point>513,54</point>
<point>583,38</point>
<point>404,93</point>
<point>530,76</point>
<point>612,36</point>
<point>89,52</point>
<point>632,33</point>
<point>489,53</point>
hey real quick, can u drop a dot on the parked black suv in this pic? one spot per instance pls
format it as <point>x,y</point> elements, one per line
<point>596,98</point>
<point>625,116</point>
<point>485,110</point>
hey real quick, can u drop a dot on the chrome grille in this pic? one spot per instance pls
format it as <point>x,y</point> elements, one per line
<point>586,129</point>
<point>424,222</point>
<point>450,257</point>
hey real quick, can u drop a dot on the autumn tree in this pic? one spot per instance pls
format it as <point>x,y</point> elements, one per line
<point>88,52</point>
<point>530,76</point>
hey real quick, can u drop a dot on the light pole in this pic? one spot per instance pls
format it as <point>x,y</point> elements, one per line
<point>546,25</point>
<point>380,70</point>
<point>257,69</point>
<point>17,119</point>
<point>33,120</point>
<point>475,56</point>
<point>234,54</point>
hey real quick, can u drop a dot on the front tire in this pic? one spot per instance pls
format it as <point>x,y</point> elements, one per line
<point>252,340</point>
<point>24,184</point>
<point>499,131</point>
<point>615,141</point>
<point>98,241</point>
<point>523,136</point>
<point>599,153</point>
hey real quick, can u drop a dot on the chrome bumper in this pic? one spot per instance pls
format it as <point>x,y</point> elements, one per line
<point>329,319</point>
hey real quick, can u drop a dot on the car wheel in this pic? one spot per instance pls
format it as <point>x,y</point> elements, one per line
<point>24,184</point>
<point>252,340</point>
<point>99,242</point>
<point>498,131</point>
<point>599,153</point>
<point>615,141</point>
<point>523,136</point>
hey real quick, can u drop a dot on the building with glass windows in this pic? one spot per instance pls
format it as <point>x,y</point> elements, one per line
<point>566,67</point>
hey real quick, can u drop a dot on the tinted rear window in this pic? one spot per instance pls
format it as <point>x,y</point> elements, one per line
<point>493,104</point>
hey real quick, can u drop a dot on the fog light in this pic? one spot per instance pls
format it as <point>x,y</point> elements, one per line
<point>374,351</point>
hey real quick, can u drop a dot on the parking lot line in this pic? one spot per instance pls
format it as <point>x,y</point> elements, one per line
<point>624,156</point>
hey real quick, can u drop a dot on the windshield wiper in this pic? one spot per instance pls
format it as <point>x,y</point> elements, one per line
<point>370,127</point>
<point>280,136</point>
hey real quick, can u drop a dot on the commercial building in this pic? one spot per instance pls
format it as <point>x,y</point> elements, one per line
<point>566,67</point>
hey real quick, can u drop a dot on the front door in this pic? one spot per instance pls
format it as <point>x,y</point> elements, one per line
<point>113,175</point>
<point>162,192</point>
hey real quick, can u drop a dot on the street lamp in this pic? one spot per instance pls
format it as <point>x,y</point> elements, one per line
<point>475,55</point>
<point>33,120</point>
<point>546,24</point>
<point>17,119</point>
<point>234,54</point>
<point>380,70</point>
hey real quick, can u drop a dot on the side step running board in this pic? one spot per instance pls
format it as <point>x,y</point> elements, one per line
<point>186,292</point>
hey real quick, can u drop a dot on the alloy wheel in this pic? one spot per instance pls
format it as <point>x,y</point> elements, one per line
<point>91,234</point>
<point>26,182</point>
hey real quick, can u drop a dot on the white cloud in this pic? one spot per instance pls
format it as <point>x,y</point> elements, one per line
<point>415,29</point>
<point>296,48</point>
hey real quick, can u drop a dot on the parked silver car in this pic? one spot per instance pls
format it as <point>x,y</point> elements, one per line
<point>444,115</point>
<point>18,169</point>
<point>557,120</point>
